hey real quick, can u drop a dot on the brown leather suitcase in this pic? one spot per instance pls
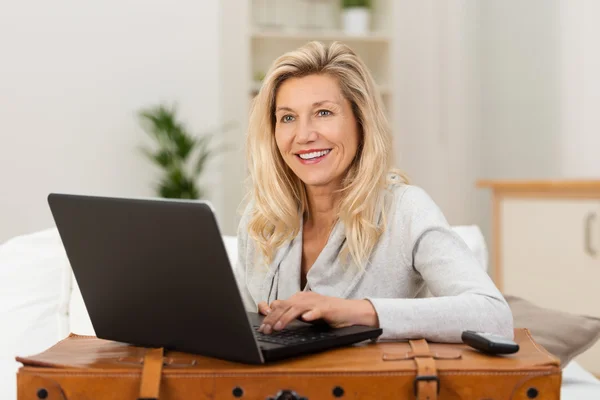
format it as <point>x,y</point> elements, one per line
<point>84,367</point>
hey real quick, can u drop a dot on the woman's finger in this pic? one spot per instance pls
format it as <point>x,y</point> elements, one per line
<point>270,320</point>
<point>312,315</point>
<point>277,303</point>
<point>264,308</point>
<point>291,314</point>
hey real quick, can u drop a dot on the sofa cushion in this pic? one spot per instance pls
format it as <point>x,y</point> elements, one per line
<point>36,280</point>
<point>79,319</point>
<point>566,335</point>
<point>472,236</point>
<point>8,383</point>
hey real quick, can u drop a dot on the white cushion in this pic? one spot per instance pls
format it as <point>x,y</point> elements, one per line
<point>79,320</point>
<point>34,295</point>
<point>8,381</point>
<point>473,237</point>
<point>578,383</point>
<point>231,248</point>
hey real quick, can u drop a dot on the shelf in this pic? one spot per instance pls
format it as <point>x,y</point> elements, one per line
<point>319,35</point>
<point>255,87</point>
<point>559,185</point>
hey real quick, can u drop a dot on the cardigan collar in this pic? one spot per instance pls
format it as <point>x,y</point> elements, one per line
<point>329,275</point>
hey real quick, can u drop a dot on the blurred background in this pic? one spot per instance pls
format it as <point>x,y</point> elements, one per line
<point>473,89</point>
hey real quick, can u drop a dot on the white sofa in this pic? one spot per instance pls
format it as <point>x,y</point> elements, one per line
<point>40,302</point>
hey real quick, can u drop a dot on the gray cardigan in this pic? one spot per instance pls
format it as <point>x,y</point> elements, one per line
<point>418,250</point>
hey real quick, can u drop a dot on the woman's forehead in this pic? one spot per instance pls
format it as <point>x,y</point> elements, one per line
<point>309,89</point>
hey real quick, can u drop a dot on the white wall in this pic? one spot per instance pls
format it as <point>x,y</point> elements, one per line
<point>435,107</point>
<point>73,74</point>
<point>518,54</point>
<point>580,88</point>
<point>235,102</point>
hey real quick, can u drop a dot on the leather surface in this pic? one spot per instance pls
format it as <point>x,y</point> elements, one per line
<point>41,387</point>
<point>426,381</point>
<point>89,367</point>
<point>151,374</point>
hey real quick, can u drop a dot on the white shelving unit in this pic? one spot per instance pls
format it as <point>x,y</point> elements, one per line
<point>276,27</point>
<point>327,35</point>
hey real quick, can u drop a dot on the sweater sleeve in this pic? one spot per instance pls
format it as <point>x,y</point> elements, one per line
<point>465,297</point>
<point>241,263</point>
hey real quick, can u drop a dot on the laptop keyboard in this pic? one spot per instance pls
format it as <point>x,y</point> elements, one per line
<point>292,336</point>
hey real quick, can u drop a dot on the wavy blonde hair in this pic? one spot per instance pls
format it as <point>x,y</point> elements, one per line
<point>279,196</point>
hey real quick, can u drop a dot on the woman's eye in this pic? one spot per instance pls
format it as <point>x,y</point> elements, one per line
<point>324,113</point>
<point>287,118</point>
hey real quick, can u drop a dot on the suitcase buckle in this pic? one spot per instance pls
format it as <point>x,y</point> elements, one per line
<point>426,378</point>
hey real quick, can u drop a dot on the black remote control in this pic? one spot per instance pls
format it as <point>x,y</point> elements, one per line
<point>489,343</point>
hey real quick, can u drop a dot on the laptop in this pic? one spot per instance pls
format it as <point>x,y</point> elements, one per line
<point>154,272</point>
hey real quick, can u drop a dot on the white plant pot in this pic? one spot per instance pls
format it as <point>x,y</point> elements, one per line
<point>356,20</point>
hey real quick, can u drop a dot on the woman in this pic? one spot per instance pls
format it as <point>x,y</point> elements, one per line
<point>331,231</point>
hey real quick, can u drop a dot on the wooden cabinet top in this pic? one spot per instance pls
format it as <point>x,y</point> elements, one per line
<point>581,187</point>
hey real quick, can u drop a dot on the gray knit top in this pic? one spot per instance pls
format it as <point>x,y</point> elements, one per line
<point>417,251</point>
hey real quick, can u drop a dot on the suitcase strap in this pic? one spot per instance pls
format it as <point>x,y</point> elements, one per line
<point>427,383</point>
<point>151,372</point>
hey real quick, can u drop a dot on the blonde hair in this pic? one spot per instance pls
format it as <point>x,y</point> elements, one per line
<point>278,196</point>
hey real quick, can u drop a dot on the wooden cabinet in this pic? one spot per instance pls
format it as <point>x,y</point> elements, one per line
<point>546,246</point>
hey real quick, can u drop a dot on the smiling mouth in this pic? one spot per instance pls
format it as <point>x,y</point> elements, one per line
<point>314,155</point>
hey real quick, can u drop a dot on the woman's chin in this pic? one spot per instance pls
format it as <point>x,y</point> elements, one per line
<point>317,181</point>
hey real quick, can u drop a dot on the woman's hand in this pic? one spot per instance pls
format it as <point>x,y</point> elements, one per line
<point>311,306</point>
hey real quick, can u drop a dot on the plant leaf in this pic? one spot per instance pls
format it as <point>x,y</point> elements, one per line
<point>201,163</point>
<point>177,185</point>
<point>175,151</point>
<point>184,145</point>
<point>161,123</point>
<point>162,157</point>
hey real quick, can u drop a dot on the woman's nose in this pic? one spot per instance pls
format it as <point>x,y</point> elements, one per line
<point>306,133</point>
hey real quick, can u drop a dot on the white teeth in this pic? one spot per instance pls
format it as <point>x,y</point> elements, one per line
<point>314,154</point>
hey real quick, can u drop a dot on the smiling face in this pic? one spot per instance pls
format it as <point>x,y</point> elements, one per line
<point>315,130</point>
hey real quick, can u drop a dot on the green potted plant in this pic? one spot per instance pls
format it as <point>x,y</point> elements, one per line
<point>181,155</point>
<point>356,16</point>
